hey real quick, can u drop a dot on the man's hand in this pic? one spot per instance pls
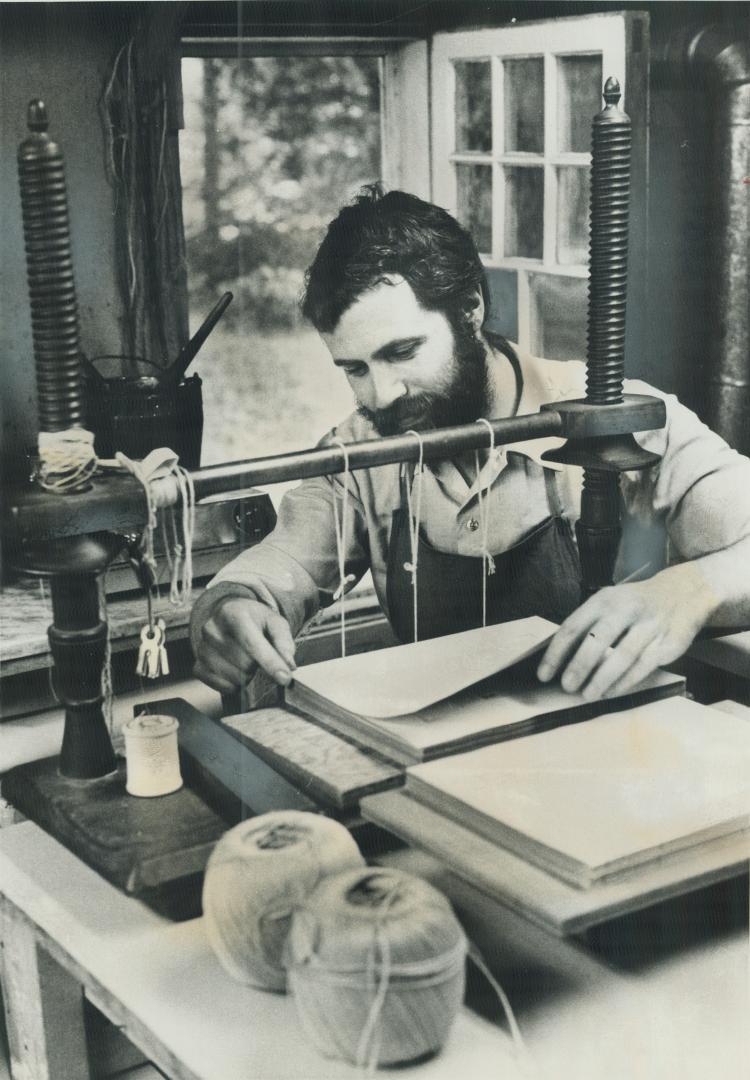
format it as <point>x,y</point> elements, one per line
<point>241,636</point>
<point>619,636</point>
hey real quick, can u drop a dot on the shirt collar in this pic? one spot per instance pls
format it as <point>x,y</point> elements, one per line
<point>544,381</point>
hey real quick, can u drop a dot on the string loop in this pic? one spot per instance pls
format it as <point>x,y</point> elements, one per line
<point>414,512</point>
<point>341,538</point>
<point>483,505</point>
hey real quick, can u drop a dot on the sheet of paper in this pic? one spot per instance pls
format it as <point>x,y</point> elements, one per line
<point>407,678</point>
<point>488,706</point>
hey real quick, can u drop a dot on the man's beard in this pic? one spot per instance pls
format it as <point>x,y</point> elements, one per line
<point>463,400</point>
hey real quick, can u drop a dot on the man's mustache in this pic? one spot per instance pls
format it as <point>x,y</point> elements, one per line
<point>402,414</point>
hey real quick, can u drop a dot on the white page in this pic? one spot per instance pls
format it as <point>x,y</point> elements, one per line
<point>406,678</point>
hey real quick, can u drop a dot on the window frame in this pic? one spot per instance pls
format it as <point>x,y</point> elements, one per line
<point>405,163</point>
<point>621,38</point>
<point>405,146</point>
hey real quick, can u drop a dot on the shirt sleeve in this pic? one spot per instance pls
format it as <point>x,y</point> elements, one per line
<point>700,488</point>
<point>295,570</point>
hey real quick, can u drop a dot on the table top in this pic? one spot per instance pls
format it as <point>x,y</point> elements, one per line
<point>731,652</point>
<point>30,738</point>
<point>147,973</point>
<point>26,614</point>
<point>662,996</point>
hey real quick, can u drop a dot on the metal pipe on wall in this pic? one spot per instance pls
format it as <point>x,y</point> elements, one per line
<point>721,57</point>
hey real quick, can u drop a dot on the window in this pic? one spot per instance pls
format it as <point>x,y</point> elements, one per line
<point>272,146</point>
<point>512,112</point>
<point>274,142</point>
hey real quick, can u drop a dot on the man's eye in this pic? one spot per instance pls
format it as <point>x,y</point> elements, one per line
<point>355,370</point>
<point>405,354</point>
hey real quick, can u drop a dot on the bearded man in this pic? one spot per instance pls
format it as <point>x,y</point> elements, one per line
<point>399,295</point>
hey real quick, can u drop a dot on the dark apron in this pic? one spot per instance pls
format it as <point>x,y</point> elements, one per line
<point>540,575</point>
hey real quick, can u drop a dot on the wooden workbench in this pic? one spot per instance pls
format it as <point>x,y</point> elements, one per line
<point>658,997</point>
<point>158,981</point>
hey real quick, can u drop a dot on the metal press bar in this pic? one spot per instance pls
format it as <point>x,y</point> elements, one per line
<point>445,443</point>
<point>117,503</point>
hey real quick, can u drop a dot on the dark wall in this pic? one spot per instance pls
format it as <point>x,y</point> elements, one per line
<point>62,54</point>
<point>683,199</point>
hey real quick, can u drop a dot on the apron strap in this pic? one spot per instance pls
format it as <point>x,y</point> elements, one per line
<point>554,501</point>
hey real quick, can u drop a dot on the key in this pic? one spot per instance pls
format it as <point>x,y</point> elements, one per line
<point>148,654</point>
<point>163,658</point>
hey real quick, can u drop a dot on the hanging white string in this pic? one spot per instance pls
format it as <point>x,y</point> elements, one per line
<point>370,1038</point>
<point>483,504</point>
<point>414,511</point>
<point>341,538</point>
<point>181,570</point>
<point>523,1056</point>
<point>165,483</point>
<point>139,470</point>
<point>48,602</point>
<point>108,692</point>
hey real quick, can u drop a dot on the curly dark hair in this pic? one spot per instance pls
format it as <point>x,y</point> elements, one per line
<point>395,233</point>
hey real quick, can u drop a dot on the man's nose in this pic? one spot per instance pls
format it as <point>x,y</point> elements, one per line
<point>386,386</point>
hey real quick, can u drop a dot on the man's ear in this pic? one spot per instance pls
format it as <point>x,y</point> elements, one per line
<point>475,310</point>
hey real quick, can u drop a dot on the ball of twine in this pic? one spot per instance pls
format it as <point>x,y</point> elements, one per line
<point>375,962</point>
<point>257,873</point>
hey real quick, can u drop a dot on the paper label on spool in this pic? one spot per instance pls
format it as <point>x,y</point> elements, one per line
<point>151,753</point>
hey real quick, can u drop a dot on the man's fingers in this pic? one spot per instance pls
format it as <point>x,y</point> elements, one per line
<point>217,661</point>
<point>266,656</point>
<point>247,633</point>
<point>619,662</point>
<point>234,652</point>
<point>593,647</point>
<point>212,679</point>
<point>646,664</point>
<point>280,634</point>
<point>565,640</point>
<point>570,634</point>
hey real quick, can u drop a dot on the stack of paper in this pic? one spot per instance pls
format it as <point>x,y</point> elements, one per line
<point>416,702</point>
<point>591,801</point>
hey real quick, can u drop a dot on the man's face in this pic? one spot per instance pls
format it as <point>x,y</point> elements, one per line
<point>405,365</point>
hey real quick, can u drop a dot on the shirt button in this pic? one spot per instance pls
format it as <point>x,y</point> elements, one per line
<point>472,524</point>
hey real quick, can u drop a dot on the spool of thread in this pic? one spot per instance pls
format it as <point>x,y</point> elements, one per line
<point>153,763</point>
<point>376,962</point>
<point>256,875</point>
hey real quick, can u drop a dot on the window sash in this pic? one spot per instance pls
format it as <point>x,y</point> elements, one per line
<point>604,35</point>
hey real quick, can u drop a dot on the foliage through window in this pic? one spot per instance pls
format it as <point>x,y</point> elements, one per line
<point>272,147</point>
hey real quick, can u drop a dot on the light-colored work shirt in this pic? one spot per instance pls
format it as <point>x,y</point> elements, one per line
<point>695,501</point>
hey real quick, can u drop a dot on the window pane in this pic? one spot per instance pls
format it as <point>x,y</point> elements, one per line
<point>524,212</point>
<point>474,190</point>
<point>523,86</point>
<point>558,316</point>
<point>579,99</point>
<point>473,105</point>
<point>272,146</point>
<point>573,186</point>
